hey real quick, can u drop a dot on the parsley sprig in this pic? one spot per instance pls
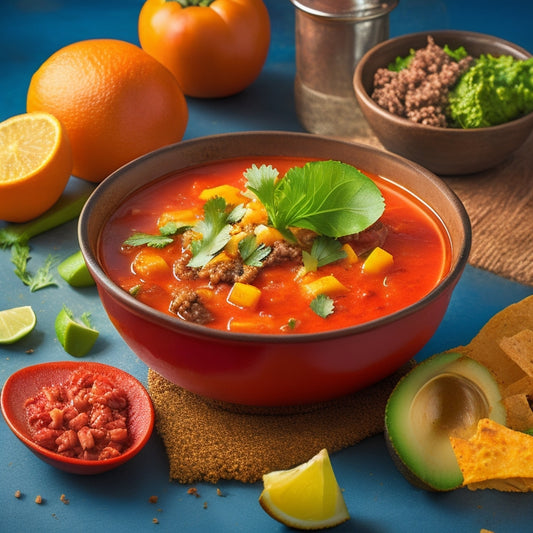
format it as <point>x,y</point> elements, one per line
<point>252,254</point>
<point>159,240</point>
<point>329,197</point>
<point>20,255</point>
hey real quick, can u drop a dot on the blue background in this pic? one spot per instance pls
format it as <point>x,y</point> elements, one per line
<point>378,498</point>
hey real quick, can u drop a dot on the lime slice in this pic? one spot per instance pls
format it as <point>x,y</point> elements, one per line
<point>74,271</point>
<point>76,338</point>
<point>16,323</point>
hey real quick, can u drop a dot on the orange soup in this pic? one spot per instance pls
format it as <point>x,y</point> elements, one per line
<point>177,247</point>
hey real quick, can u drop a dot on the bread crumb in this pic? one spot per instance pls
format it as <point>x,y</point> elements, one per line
<point>38,499</point>
<point>153,499</point>
<point>64,499</point>
<point>205,505</point>
<point>155,521</point>
<point>219,492</point>
<point>194,491</point>
<point>18,494</point>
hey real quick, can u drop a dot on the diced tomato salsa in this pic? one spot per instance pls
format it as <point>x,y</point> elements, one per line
<point>417,256</point>
<point>86,417</point>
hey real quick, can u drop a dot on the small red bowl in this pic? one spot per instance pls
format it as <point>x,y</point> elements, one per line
<point>27,382</point>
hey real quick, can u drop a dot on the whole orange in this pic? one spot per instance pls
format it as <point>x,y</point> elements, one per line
<point>115,101</point>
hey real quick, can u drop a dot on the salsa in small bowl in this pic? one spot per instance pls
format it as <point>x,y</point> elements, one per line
<point>80,417</point>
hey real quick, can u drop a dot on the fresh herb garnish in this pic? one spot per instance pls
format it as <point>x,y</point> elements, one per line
<point>161,240</point>
<point>401,62</point>
<point>327,250</point>
<point>215,229</point>
<point>328,197</point>
<point>20,255</point>
<point>322,305</point>
<point>251,253</point>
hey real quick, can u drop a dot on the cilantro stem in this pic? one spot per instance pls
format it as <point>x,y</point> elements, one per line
<point>68,207</point>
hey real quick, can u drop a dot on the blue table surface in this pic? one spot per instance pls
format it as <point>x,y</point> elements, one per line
<point>378,497</point>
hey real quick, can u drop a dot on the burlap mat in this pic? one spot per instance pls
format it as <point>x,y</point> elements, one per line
<point>209,441</point>
<point>499,202</point>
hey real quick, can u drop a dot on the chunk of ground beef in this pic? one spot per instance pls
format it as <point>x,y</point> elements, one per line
<point>188,305</point>
<point>368,239</point>
<point>282,251</point>
<point>420,91</point>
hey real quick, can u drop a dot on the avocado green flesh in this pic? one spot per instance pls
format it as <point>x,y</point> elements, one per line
<point>445,395</point>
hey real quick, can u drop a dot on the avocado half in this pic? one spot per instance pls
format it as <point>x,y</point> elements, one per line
<point>445,395</point>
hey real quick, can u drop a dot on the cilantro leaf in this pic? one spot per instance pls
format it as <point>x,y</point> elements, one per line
<point>251,253</point>
<point>147,239</point>
<point>43,277</point>
<point>215,232</point>
<point>327,250</point>
<point>157,241</point>
<point>322,305</point>
<point>328,197</point>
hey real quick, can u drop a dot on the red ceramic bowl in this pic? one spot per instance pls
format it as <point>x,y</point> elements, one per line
<point>26,382</point>
<point>445,151</point>
<point>254,369</point>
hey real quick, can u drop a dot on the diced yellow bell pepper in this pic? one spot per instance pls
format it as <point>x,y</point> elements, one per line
<point>148,262</point>
<point>351,256</point>
<point>219,258</point>
<point>232,246</point>
<point>244,295</point>
<point>231,194</point>
<point>328,285</point>
<point>182,216</point>
<point>255,214</point>
<point>378,261</point>
<point>267,235</point>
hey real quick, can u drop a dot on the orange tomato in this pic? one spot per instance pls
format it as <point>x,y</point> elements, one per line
<point>213,50</point>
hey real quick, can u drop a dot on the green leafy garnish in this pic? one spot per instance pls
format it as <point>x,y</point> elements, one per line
<point>457,54</point>
<point>147,239</point>
<point>327,250</point>
<point>251,253</point>
<point>215,229</point>
<point>20,255</point>
<point>322,305</point>
<point>328,197</point>
<point>161,240</point>
<point>401,62</point>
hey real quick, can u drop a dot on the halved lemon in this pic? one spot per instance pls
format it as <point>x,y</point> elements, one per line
<point>16,323</point>
<point>305,497</point>
<point>35,165</point>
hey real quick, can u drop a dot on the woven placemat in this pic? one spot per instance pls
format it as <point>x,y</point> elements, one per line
<point>209,441</point>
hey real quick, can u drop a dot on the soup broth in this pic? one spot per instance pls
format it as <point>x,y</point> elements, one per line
<point>416,244</point>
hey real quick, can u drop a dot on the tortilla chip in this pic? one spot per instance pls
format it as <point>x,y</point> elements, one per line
<point>519,348</point>
<point>522,386</point>
<point>485,346</point>
<point>519,414</point>
<point>496,457</point>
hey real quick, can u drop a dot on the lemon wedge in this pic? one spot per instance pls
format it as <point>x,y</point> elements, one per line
<point>16,323</point>
<point>305,497</point>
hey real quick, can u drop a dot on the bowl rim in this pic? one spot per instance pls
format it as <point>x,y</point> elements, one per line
<point>363,95</point>
<point>129,453</point>
<point>196,330</point>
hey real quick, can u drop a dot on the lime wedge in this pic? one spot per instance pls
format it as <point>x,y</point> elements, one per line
<point>74,271</point>
<point>16,323</point>
<point>76,338</point>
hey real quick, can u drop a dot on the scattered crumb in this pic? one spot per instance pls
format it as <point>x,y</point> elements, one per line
<point>38,499</point>
<point>219,493</point>
<point>18,494</point>
<point>64,499</point>
<point>29,351</point>
<point>155,521</point>
<point>194,491</point>
<point>153,499</point>
<point>205,505</point>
